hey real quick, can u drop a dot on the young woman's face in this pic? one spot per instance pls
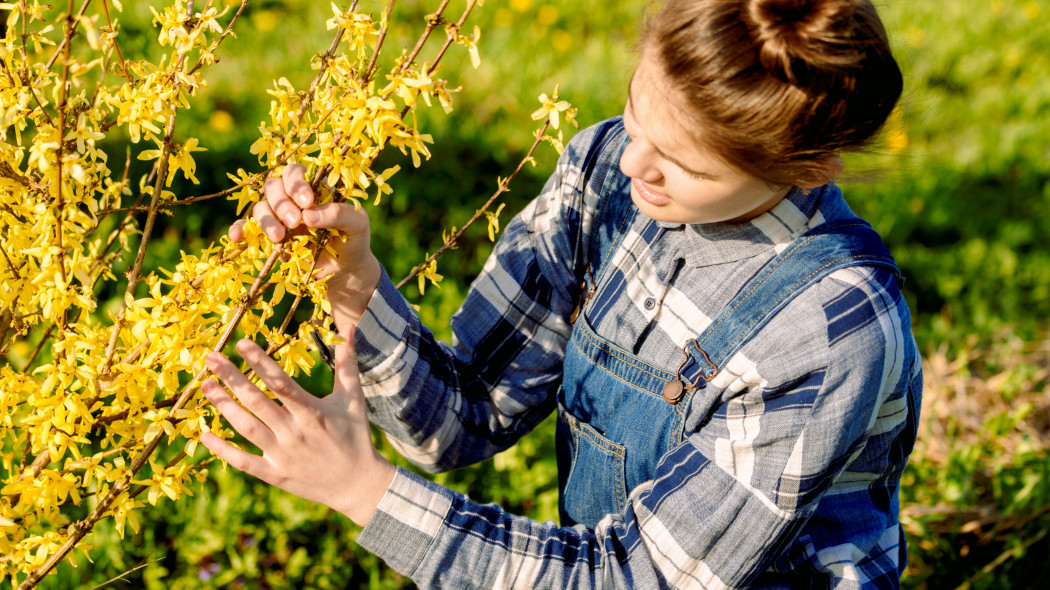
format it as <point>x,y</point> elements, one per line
<point>672,178</point>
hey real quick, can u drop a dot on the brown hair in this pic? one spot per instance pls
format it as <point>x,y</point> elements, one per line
<point>778,86</point>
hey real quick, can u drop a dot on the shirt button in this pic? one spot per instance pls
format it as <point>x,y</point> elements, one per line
<point>650,303</point>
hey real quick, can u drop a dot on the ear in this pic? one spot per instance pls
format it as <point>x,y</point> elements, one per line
<point>830,167</point>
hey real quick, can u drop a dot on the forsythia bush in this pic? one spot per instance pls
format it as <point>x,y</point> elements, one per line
<point>99,412</point>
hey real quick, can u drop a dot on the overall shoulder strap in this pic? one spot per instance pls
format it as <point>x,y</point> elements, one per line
<point>613,210</point>
<point>806,260</point>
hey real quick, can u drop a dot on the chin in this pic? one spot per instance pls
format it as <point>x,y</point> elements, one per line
<point>665,214</point>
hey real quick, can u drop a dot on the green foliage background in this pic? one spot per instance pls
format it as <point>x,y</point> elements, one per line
<point>963,205</point>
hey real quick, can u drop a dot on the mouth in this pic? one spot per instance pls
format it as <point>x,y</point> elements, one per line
<point>647,194</point>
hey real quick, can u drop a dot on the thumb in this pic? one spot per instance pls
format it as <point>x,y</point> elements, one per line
<point>343,217</point>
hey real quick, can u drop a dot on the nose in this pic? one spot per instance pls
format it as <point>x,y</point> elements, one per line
<point>639,160</point>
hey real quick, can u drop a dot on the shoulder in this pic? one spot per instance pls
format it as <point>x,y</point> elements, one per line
<point>594,152</point>
<point>852,327</point>
<point>853,317</point>
<point>570,196</point>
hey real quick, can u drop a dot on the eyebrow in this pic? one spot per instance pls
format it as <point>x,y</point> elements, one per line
<point>663,154</point>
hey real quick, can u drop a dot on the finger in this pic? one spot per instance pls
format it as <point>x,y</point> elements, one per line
<point>273,228</point>
<point>238,459</point>
<point>326,264</point>
<point>240,419</point>
<point>280,202</point>
<point>236,231</point>
<point>340,216</point>
<point>296,186</point>
<point>288,391</point>
<point>347,374</point>
<point>272,416</point>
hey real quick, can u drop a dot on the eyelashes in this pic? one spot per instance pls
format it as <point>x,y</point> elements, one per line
<point>628,123</point>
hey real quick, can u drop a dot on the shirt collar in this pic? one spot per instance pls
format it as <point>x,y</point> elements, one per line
<point>709,244</point>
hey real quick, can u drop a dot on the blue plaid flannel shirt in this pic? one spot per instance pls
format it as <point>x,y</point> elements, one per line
<point>718,513</point>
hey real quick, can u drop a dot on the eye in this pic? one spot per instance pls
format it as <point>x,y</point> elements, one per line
<point>693,175</point>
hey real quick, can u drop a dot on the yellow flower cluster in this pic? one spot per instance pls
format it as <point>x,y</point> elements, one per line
<point>98,408</point>
<point>99,412</point>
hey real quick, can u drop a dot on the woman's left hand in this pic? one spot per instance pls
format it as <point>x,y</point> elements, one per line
<point>318,449</point>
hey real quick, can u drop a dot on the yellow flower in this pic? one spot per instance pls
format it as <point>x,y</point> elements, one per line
<point>552,109</point>
<point>493,217</point>
<point>428,271</point>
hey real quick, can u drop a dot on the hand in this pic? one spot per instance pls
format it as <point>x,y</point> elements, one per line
<point>354,271</point>
<point>318,449</point>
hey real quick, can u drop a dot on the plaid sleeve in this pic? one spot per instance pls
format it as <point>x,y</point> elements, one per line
<point>787,483</point>
<point>449,405</point>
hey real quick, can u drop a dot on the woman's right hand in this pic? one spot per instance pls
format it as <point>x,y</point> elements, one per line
<point>354,271</point>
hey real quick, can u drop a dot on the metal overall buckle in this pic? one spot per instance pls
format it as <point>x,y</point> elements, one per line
<point>675,389</point>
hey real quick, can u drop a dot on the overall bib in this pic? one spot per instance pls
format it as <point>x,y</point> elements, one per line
<point>618,414</point>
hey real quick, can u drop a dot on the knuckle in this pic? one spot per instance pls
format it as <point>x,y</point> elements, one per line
<point>261,210</point>
<point>255,403</point>
<point>286,208</point>
<point>281,387</point>
<point>250,431</point>
<point>238,462</point>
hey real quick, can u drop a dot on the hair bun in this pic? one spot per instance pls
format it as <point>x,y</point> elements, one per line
<point>796,37</point>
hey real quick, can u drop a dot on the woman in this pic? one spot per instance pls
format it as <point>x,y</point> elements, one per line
<point>737,398</point>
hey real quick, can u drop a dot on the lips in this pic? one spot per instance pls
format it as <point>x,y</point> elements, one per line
<point>647,194</point>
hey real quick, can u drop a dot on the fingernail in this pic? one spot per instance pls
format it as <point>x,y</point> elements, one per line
<point>290,219</point>
<point>310,216</point>
<point>275,236</point>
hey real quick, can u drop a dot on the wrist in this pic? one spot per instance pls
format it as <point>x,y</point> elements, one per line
<point>373,484</point>
<point>349,293</point>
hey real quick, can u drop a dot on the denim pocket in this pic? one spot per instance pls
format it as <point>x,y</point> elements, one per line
<point>595,484</point>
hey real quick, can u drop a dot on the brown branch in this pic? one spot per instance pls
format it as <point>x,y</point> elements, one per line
<point>67,39</point>
<point>24,74</point>
<point>369,69</point>
<point>64,96</point>
<point>39,347</point>
<point>433,20</point>
<point>452,35</point>
<point>123,64</point>
<point>229,28</point>
<point>451,241</point>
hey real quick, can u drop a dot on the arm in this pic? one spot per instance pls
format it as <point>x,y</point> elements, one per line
<point>449,405</point>
<point>711,517</point>
<point>776,477</point>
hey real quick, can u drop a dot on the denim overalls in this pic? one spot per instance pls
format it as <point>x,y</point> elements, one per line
<point>618,414</point>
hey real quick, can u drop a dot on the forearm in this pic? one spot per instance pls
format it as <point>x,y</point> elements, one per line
<point>441,404</point>
<point>671,535</point>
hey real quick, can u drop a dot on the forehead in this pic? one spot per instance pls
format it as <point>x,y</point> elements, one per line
<point>656,109</point>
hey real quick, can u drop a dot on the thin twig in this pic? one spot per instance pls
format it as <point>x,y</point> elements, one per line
<point>451,241</point>
<point>125,574</point>
<point>370,68</point>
